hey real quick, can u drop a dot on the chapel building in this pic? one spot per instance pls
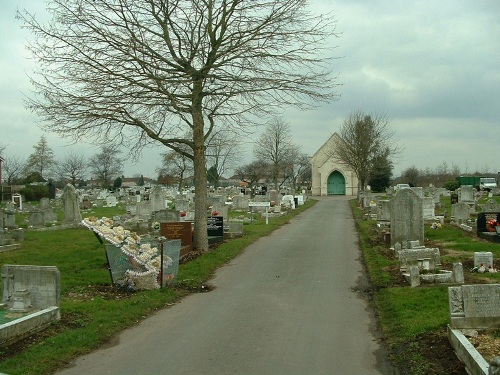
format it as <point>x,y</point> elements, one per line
<point>330,177</point>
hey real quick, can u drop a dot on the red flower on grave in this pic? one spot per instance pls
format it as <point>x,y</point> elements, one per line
<point>183,213</point>
<point>215,213</point>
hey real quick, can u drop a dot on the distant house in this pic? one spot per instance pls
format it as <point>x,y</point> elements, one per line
<point>328,176</point>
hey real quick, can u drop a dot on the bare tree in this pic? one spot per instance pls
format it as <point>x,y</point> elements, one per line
<point>223,152</point>
<point>177,165</point>
<point>276,148</point>
<point>363,139</point>
<point>299,169</point>
<point>13,168</point>
<point>253,172</point>
<point>42,159</point>
<point>72,168</point>
<point>139,72</point>
<point>106,166</point>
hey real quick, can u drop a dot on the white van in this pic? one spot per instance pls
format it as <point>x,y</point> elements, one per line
<point>487,183</point>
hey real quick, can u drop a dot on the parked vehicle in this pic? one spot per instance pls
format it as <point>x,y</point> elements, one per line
<point>487,183</point>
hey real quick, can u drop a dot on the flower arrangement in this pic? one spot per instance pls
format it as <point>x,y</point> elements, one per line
<point>436,225</point>
<point>491,224</point>
<point>130,244</point>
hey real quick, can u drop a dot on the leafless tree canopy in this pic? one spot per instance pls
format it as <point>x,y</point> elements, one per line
<point>106,66</point>
<point>363,139</point>
<point>106,165</point>
<point>276,148</point>
<point>134,72</point>
<point>72,168</point>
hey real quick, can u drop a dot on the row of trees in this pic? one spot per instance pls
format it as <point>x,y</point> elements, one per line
<point>443,175</point>
<point>42,165</point>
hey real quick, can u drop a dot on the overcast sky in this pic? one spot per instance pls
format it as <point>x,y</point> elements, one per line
<point>432,67</point>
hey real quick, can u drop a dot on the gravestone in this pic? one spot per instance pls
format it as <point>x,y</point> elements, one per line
<point>458,273</point>
<point>418,190</point>
<point>414,276</point>
<point>383,210</point>
<point>221,209</point>
<point>170,262</point>
<point>491,206</point>
<point>215,226</point>
<point>157,199</point>
<point>71,204</point>
<point>235,227</point>
<point>166,215</point>
<point>240,202</point>
<point>474,306</point>
<point>181,230</point>
<point>428,207</point>
<point>425,258</point>
<point>274,196</point>
<point>483,258</point>
<point>43,283</point>
<point>484,220</point>
<point>182,205</point>
<point>407,221</point>
<point>111,201</point>
<point>466,193</point>
<point>460,212</point>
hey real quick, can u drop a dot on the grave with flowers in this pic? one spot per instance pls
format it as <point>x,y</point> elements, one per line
<point>488,226</point>
<point>136,262</point>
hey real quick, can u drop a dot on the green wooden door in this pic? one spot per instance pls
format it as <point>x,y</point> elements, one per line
<point>336,184</point>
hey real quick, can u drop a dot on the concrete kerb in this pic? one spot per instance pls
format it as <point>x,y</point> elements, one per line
<point>467,353</point>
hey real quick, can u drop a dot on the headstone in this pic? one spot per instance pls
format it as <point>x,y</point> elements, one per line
<point>182,205</point>
<point>484,258</point>
<point>491,206</point>
<point>428,207</point>
<point>42,282</point>
<point>111,201</point>
<point>235,227</point>
<point>71,205</point>
<point>474,306</point>
<point>177,231</point>
<point>383,210</point>
<point>407,221</point>
<point>419,191</point>
<point>425,258</point>
<point>487,222</point>
<point>240,202</point>
<point>274,196</point>
<point>8,219</point>
<point>460,212</point>
<point>215,226</point>
<point>157,199</point>
<point>36,219</point>
<point>466,193</point>
<point>170,262</point>
<point>166,215</point>
<point>458,273</point>
<point>414,276</point>
<point>220,209</point>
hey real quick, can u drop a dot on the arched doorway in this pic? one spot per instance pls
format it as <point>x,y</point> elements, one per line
<point>336,184</point>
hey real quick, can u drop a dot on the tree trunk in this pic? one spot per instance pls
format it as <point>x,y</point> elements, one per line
<point>200,241</point>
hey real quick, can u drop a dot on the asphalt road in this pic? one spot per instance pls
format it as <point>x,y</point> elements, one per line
<point>288,305</point>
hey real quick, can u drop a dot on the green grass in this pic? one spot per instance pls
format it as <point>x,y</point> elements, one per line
<point>405,313</point>
<point>81,259</point>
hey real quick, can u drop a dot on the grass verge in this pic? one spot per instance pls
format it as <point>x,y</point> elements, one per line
<point>411,317</point>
